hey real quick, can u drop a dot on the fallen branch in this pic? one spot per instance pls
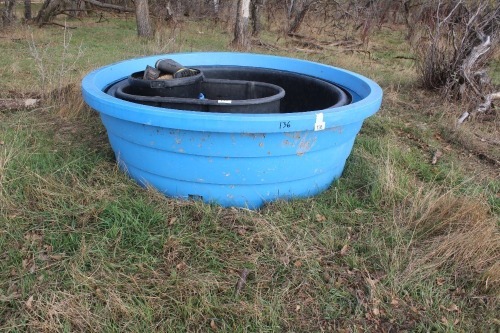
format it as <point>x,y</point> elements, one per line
<point>462,118</point>
<point>347,43</point>
<point>16,104</point>
<point>487,158</point>
<point>436,156</point>
<point>58,24</point>
<point>490,141</point>
<point>309,51</point>
<point>294,35</point>
<point>360,51</point>
<point>265,45</point>
<point>69,13</point>
<point>308,44</point>
<point>110,6</point>
<point>242,281</point>
<point>483,107</point>
<point>102,19</point>
<point>405,57</point>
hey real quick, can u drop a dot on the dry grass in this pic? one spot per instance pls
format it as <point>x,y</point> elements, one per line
<point>51,313</point>
<point>453,232</point>
<point>68,101</point>
<point>436,228</point>
<point>7,152</point>
<point>491,277</point>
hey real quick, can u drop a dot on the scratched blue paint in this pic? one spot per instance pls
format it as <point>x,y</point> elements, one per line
<point>241,160</point>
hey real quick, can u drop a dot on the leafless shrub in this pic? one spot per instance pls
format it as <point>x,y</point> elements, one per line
<point>454,41</point>
<point>58,75</point>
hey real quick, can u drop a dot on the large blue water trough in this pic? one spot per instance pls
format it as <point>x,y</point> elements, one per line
<point>229,151</point>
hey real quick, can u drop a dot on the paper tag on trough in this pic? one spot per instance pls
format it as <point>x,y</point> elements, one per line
<point>319,125</point>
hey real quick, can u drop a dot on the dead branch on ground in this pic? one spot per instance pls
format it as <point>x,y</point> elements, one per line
<point>241,281</point>
<point>110,6</point>
<point>58,24</point>
<point>18,103</point>
<point>482,108</point>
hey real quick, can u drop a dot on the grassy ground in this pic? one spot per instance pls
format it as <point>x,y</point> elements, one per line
<point>396,244</point>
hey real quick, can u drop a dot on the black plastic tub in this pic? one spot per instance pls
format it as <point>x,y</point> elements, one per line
<point>215,95</point>
<point>301,92</point>
<point>183,87</point>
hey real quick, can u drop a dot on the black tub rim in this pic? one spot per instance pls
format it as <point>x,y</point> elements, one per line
<point>117,89</point>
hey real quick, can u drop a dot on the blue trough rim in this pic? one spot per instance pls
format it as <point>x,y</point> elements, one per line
<point>94,84</point>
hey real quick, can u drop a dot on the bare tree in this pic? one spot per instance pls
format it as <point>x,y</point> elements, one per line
<point>256,6</point>
<point>27,9</point>
<point>298,10</point>
<point>216,6</point>
<point>241,30</point>
<point>169,13</point>
<point>50,8</point>
<point>144,28</point>
<point>8,16</point>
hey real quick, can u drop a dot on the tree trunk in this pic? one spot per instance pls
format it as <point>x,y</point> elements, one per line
<point>8,15</point>
<point>47,11</point>
<point>256,23</point>
<point>27,9</point>
<point>82,8</point>
<point>241,30</point>
<point>169,13</point>
<point>290,7</point>
<point>299,17</point>
<point>142,17</point>
<point>17,103</point>
<point>216,7</point>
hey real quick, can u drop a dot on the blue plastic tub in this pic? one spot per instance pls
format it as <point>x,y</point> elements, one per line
<point>242,160</point>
